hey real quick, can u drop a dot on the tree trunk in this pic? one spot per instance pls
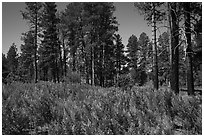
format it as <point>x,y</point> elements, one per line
<point>92,66</point>
<point>61,64</point>
<point>54,71</point>
<point>36,47</point>
<point>57,71</point>
<point>169,32</point>
<point>64,57</point>
<point>174,50</point>
<point>74,62</point>
<point>102,67</point>
<point>87,69</point>
<point>190,82</point>
<point>155,62</point>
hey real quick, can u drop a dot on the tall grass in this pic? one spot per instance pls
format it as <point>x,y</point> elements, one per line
<point>67,108</point>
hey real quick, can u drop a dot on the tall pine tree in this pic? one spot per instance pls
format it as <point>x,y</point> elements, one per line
<point>33,15</point>
<point>132,55</point>
<point>49,51</point>
<point>26,59</point>
<point>12,57</point>
<point>120,58</point>
<point>144,60</point>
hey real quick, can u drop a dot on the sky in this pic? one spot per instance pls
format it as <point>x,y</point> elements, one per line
<point>13,25</point>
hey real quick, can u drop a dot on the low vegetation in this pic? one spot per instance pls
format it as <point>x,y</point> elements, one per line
<point>73,108</point>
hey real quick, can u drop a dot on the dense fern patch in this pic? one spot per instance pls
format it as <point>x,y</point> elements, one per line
<point>59,108</point>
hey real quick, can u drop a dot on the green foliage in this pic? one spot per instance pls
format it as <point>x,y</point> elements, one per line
<point>146,9</point>
<point>132,52</point>
<point>48,108</point>
<point>89,34</point>
<point>5,69</point>
<point>120,59</point>
<point>33,14</point>
<point>139,57</point>
<point>163,58</point>
<point>12,58</point>
<point>26,59</point>
<point>50,49</point>
<point>124,81</point>
<point>32,8</point>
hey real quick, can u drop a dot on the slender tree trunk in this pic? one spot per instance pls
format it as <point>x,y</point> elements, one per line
<point>87,69</point>
<point>92,66</point>
<point>36,47</point>
<point>174,50</point>
<point>61,64</point>
<point>190,82</point>
<point>57,70</point>
<point>155,62</point>
<point>102,67</point>
<point>64,57</point>
<point>169,31</point>
<point>118,68</point>
<point>54,71</point>
<point>74,62</point>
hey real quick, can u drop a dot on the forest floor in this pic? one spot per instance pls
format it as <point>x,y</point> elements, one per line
<point>67,108</point>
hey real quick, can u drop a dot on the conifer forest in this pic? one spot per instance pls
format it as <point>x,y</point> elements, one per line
<point>73,74</point>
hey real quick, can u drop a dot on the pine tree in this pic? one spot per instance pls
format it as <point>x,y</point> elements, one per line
<point>153,14</point>
<point>12,57</point>
<point>163,58</point>
<point>26,59</point>
<point>154,38</point>
<point>5,69</point>
<point>132,55</point>
<point>120,58</point>
<point>196,19</point>
<point>190,81</point>
<point>174,78</point>
<point>100,28</point>
<point>143,49</point>
<point>49,51</point>
<point>89,35</point>
<point>33,15</point>
<point>62,33</point>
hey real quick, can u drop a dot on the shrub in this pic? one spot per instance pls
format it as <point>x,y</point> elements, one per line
<point>59,108</point>
<point>73,77</point>
<point>125,81</point>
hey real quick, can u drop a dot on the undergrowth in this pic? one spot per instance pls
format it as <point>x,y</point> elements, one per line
<point>67,108</point>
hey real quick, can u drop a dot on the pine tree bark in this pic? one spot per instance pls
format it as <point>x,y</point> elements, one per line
<point>190,82</point>
<point>174,82</point>
<point>155,62</point>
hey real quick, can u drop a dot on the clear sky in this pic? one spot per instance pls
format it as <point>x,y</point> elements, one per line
<point>13,25</point>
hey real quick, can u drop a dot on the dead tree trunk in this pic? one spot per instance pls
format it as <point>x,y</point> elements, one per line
<point>190,82</point>
<point>155,61</point>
